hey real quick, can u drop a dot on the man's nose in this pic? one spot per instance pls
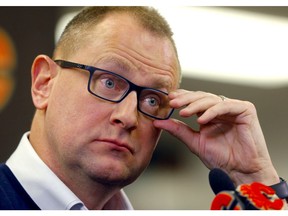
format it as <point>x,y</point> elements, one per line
<point>125,113</point>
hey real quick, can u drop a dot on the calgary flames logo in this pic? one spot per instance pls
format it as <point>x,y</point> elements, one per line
<point>7,65</point>
<point>255,196</point>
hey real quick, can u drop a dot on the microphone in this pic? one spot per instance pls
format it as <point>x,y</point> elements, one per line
<point>255,196</point>
<point>226,197</point>
<point>220,181</point>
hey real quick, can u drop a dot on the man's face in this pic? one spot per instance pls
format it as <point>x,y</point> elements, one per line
<point>108,142</point>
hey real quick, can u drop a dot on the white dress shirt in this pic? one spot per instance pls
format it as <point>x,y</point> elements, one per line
<point>45,188</point>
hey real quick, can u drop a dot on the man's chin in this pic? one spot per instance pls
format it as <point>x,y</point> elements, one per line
<point>115,175</point>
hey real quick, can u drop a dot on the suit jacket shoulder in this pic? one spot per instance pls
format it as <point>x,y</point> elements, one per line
<point>12,194</point>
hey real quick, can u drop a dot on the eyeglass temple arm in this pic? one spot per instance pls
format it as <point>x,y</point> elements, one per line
<point>67,64</point>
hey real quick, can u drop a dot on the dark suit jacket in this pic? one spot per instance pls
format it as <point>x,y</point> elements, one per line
<point>12,194</point>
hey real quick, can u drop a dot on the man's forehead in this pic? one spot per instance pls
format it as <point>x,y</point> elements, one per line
<point>128,70</point>
<point>108,39</point>
<point>120,63</point>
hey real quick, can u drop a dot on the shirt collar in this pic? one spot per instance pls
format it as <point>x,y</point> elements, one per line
<point>43,185</point>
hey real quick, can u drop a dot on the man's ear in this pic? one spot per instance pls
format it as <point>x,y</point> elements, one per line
<point>43,73</point>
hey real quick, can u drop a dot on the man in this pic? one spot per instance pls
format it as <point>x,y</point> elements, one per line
<point>101,103</point>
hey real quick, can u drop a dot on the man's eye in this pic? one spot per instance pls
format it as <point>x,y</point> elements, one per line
<point>109,83</point>
<point>152,101</point>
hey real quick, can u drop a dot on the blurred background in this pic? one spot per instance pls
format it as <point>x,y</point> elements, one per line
<point>239,52</point>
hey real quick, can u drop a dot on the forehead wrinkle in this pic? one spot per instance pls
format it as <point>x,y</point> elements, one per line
<point>122,64</point>
<point>125,66</point>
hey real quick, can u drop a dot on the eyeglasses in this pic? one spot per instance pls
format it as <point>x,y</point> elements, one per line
<point>112,87</point>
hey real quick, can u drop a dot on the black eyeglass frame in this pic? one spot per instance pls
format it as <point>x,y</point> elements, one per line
<point>132,86</point>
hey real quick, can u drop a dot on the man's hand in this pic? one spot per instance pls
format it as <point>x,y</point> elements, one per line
<point>230,136</point>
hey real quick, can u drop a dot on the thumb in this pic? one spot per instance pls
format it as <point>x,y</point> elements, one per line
<point>181,131</point>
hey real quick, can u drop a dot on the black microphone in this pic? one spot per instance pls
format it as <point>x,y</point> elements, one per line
<point>255,196</point>
<point>224,189</point>
<point>220,181</point>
